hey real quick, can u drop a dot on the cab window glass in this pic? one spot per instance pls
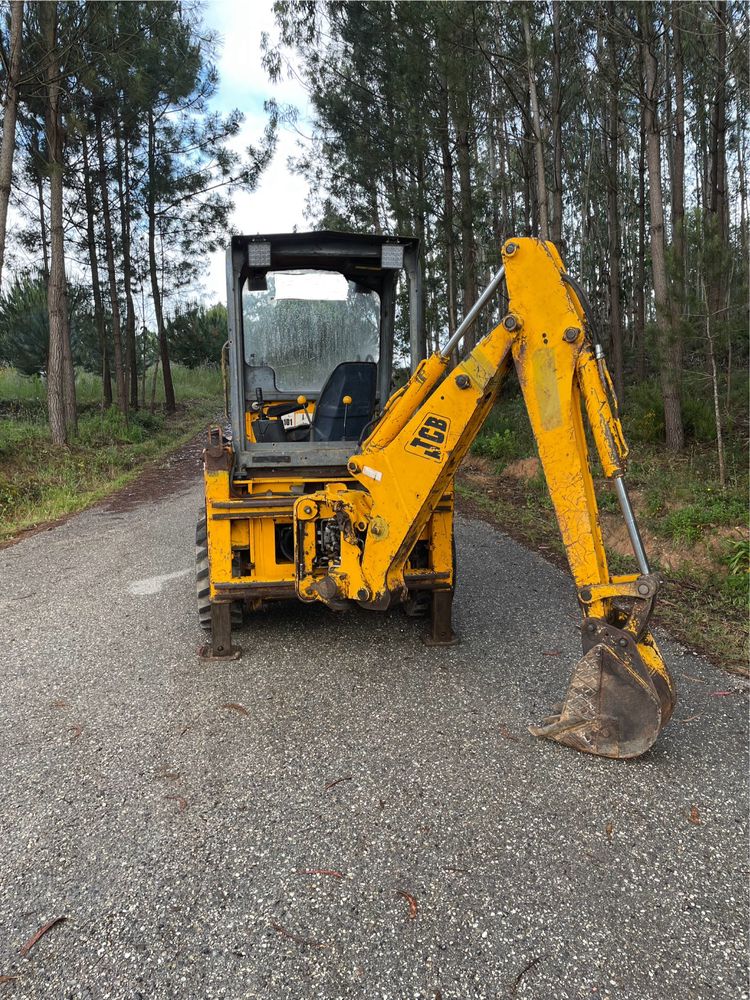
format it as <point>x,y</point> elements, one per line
<point>304,323</point>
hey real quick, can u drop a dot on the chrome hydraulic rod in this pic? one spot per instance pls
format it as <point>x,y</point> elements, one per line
<point>635,535</point>
<point>470,318</point>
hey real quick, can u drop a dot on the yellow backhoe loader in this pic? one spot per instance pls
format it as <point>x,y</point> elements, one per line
<point>333,488</point>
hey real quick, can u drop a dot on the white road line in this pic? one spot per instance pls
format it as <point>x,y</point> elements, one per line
<point>155,584</point>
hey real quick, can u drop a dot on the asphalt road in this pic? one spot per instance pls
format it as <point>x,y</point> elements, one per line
<point>175,834</point>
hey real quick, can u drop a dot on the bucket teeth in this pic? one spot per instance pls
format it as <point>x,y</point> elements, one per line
<point>615,706</point>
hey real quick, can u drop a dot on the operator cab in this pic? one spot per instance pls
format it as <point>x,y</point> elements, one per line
<point>311,329</point>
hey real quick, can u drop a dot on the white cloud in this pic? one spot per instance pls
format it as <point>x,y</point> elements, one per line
<point>277,204</point>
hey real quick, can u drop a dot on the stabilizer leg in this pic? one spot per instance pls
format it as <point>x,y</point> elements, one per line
<point>220,647</point>
<point>441,620</point>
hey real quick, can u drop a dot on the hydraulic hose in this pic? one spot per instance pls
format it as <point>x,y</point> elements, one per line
<point>585,305</point>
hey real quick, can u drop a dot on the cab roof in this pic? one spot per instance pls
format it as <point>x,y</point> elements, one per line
<point>356,255</point>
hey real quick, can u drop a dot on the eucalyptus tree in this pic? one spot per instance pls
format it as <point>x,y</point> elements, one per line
<point>61,391</point>
<point>10,112</point>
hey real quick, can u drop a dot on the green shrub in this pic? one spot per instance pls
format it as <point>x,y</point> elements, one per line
<point>500,445</point>
<point>736,586</point>
<point>654,504</point>
<point>688,523</point>
<point>738,558</point>
<point>644,413</point>
<point>607,501</point>
<point>101,429</point>
<point>698,417</point>
<point>538,492</point>
<point>735,590</point>
<point>506,434</point>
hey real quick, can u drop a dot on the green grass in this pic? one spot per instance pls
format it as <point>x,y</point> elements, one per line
<point>31,390</point>
<point>506,434</point>
<point>41,483</point>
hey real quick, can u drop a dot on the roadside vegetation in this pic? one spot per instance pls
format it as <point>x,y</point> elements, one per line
<point>40,482</point>
<point>695,530</point>
<point>619,132</point>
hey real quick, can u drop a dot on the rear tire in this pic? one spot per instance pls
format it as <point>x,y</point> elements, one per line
<point>202,584</point>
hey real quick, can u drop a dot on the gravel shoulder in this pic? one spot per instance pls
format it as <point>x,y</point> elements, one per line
<point>172,810</point>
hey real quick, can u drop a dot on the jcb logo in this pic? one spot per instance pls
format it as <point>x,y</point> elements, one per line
<point>430,438</point>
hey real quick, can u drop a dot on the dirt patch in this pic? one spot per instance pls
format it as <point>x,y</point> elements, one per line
<point>480,472</point>
<point>704,554</point>
<point>162,478</point>
<point>523,469</point>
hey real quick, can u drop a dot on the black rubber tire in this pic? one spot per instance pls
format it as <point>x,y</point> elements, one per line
<point>202,587</point>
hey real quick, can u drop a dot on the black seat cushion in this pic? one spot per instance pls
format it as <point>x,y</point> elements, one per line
<point>332,421</point>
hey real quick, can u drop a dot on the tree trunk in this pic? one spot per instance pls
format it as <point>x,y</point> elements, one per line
<point>716,214</point>
<point>123,188</point>
<point>669,346</point>
<point>43,228</point>
<point>69,374</point>
<point>678,160</point>
<point>640,270</point>
<point>152,407</point>
<point>467,221</point>
<point>448,211</point>
<point>701,173</point>
<point>741,160</point>
<point>557,185</point>
<point>611,147</point>
<point>120,376</point>
<point>494,182</point>
<point>169,397</point>
<point>8,146</point>
<point>715,390</point>
<point>585,209</point>
<point>57,305</point>
<point>526,156</point>
<point>511,230</point>
<point>462,119</point>
<point>372,194</point>
<point>420,230</point>
<point>541,184</point>
<point>101,327</point>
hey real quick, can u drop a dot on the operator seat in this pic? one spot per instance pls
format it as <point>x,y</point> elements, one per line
<point>332,420</point>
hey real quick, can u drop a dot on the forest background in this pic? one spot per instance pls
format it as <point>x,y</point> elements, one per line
<point>616,129</point>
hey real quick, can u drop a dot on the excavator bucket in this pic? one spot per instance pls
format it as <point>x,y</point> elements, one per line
<point>619,698</point>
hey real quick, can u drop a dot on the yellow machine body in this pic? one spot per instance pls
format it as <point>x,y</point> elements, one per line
<point>391,511</point>
<point>244,556</point>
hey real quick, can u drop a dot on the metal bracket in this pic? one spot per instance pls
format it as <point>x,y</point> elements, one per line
<point>643,591</point>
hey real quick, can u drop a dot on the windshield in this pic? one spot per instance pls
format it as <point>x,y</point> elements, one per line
<point>306,322</point>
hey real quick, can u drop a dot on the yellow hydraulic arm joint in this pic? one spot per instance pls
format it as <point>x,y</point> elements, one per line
<point>621,693</point>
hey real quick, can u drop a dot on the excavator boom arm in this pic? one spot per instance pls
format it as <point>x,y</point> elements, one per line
<point>621,693</point>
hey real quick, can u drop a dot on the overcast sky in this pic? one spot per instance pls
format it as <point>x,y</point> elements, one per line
<point>278,203</point>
